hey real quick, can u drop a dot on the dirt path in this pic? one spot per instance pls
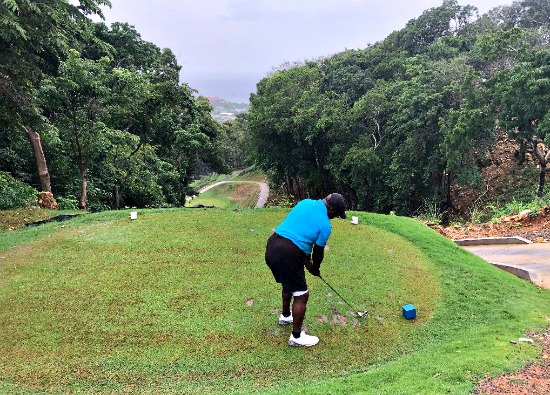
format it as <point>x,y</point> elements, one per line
<point>262,197</point>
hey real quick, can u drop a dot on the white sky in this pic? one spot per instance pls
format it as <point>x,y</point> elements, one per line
<point>226,46</point>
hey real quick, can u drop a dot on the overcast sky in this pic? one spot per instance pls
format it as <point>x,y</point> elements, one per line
<point>226,46</point>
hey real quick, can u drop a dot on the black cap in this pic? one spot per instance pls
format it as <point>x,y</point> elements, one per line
<point>337,202</point>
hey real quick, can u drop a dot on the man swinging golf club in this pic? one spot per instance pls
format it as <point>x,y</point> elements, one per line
<point>298,242</point>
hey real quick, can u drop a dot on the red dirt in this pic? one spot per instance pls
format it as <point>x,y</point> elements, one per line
<point>532,226</point>
<point>531,379</point>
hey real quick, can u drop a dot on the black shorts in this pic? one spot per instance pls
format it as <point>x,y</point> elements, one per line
<point>287,263</point>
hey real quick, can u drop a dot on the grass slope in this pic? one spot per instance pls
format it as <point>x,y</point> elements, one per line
<point>230,195</point>
<point>180,301</point>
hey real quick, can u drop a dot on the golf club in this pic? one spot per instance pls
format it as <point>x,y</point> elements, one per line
<point>358,313</point>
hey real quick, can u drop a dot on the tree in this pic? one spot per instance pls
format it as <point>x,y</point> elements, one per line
<point>521,13</point>
<point>534,13</point>
<point>348,73</point>
<point>75,101</point>
<point>292,124</point>
<point>33,37</point>
<point>272,126</point>
<point>370,112</point>
<point>522,100</point>
<point>434,23</point>
<point>505,17</point>
<point>468,128</point>
<point>235,141</point>
<point>148,101</point>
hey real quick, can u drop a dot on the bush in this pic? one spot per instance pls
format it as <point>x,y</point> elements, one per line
<point>68,203</point>
<point>14,193</point>
<point>430,212</point>
<point>515,207</point>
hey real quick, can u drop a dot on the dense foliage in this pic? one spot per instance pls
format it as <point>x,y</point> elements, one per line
<point>395,125</point>
<point>14,193</point>
<point>109,122</point>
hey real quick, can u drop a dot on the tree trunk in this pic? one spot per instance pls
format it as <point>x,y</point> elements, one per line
<point>41,166</point>
<point>522,152</point>
<point>115,205</point>
<point>448,178</point>
<point>542,177</point>
<point>539,151</point>
<point>83,202</point>
<point>288,185</point>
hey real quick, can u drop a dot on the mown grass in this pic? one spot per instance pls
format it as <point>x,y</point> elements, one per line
<point>180,301</point>
<point>12,225</point>
<point>211,179</point>
<point>230,195</point>
<point>250,174</point>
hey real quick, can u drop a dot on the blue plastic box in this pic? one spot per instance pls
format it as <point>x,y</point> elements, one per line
<point>409,311</point>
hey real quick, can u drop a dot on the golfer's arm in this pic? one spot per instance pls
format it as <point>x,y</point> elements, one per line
<point>317,255</point>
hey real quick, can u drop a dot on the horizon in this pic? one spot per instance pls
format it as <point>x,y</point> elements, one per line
<point>231,45</point>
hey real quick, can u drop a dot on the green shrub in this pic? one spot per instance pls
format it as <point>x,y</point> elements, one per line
<point>514,207</point>
<point>14,193</point>
<point>68,203</point>
<point>430,211</point>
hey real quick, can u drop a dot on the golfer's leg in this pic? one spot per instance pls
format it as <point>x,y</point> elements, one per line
<point>287,297</point>
<point>299,311</point>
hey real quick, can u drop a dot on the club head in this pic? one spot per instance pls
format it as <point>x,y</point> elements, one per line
<point>362,314</point>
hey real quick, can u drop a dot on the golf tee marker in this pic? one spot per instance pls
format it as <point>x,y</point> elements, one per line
<point>409,311</point>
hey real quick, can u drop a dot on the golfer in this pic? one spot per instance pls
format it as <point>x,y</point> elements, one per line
<point>298,242</point>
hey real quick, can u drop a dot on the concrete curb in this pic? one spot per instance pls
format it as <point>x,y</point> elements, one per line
<point>492,241</point>
<point>517,270</point>
<point>520,272</point>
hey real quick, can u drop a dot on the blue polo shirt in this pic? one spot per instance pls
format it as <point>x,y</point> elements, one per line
<point>307,224</point>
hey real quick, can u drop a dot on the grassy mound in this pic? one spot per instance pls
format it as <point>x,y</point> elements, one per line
<point>180,301</point>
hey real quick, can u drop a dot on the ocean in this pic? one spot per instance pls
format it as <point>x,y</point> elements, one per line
<point>232,87</point>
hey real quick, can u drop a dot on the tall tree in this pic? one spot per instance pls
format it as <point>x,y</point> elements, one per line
<point>290,111</point>
<point>149,101</point>
<point>535,13</point>
<point>434,23</point>
<point>75,101</point>
<point>522,99</point>
<point>236,141</point>
<point>33,37</point>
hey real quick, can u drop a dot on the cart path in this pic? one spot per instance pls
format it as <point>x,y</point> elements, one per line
<point>532,259</point>
<point>262,197</point>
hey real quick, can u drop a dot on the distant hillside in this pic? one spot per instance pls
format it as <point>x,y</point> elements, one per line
<point>225,110</point>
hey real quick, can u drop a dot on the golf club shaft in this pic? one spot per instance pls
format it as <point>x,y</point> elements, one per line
<point>341,297</point>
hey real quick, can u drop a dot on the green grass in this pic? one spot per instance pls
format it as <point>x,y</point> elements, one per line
<point>180,301</point>
<point>250,174</point>
<point>230,195</point>
<point>211,179</point>
<point>12,223</point>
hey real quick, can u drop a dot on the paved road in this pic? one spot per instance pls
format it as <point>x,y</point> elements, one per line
<point>262,197</point>
<point>529,261</point>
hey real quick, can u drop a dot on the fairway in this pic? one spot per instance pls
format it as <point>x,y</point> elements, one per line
<point>231,195</point>
<point>180,301</point>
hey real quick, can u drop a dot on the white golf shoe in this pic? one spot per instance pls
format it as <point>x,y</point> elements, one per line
<point>285,320</point>
<point>304,340</point>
